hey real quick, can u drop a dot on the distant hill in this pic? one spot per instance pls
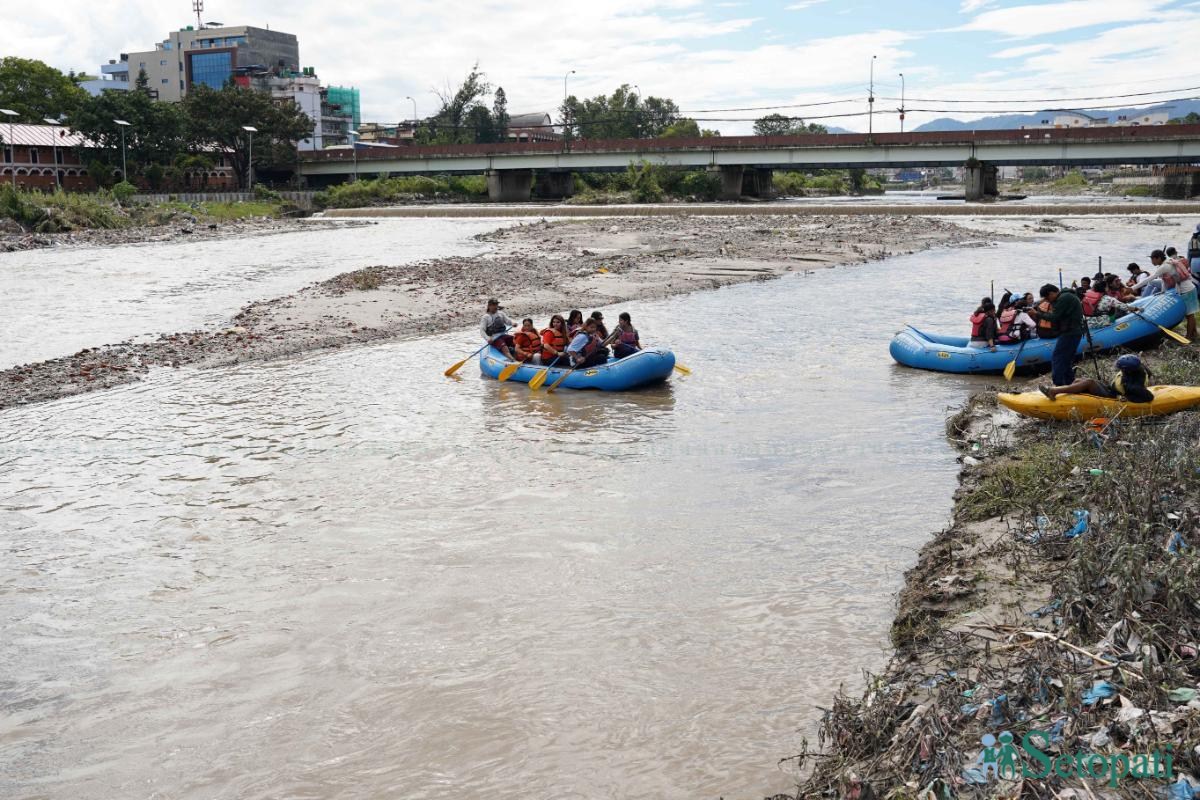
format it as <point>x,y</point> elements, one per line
<point>1012,121</point>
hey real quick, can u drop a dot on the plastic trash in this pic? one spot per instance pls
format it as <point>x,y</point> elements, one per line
<point>999,715</point>
<point>1176,543</point>
<point>1182,790</point>
<point>969,709</point>
<point>1183,694</point>
<point>976,775</point>
<point>1101,690</point>
<point>1095,472</point>
<point>1046,610</point>
<point>1080,527</point>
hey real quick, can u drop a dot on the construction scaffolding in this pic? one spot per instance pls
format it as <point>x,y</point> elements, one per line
<point>348,100</point>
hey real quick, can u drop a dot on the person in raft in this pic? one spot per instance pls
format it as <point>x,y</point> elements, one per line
<point>984,328</point>
<point>574,322</point>
<point>1065,317</point>
<point>601,328</point>
<point>587,349</point>
<point>627,336</point>
<point>1129,384</point>
<point>495,325</point>
<point>527,343</point>
<point>1175,274</point>
<point>554,342</point>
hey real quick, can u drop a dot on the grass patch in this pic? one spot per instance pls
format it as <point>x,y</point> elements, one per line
<point>387,190</point>
<point>59,212</point>
<point>228,212</point>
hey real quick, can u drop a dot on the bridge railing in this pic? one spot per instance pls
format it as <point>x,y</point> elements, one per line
<point>1032,135</point>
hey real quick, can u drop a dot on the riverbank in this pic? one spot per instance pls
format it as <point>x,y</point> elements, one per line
<point>1007,623</point>
<point>775,209</point>
<point>536,269</point>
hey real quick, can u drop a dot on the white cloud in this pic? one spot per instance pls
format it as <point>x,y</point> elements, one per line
<point>1035,20</point>
<point>971,6</point>
<point>803,4</point>
<point>1021,52</point>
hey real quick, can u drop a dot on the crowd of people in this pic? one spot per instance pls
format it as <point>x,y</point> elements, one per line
<point>573,342</point>
<point>1067,314</point>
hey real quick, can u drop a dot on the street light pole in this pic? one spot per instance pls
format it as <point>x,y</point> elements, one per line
<point>354,146</point>
<point>902,102</point>
<point>637,113</point>
<point>12,147</point>
<point>123,125</point>
<point>54,141</point>
<point>871,101</point>
<point>250,157</point>
<point>414,102</point>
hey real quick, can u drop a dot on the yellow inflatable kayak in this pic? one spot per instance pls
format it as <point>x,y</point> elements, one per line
<point>1167,400</point>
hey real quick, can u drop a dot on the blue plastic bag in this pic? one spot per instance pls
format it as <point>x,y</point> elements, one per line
<point>1100,690</point>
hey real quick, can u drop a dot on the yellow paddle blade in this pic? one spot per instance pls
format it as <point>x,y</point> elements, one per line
<point>508,371</point>
<point>1177,337</point>
<point>1010,369</point>
<point>456,367</point>
<point>536,382</point>
<point>682,369</point>
<point>561,378</point>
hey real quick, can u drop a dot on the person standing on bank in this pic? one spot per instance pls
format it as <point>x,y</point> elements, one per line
<point>1176,274</point>
<point>495,325</point>
<point>1066,316</point>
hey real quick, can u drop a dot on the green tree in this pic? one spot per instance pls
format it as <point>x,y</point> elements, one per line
<point>781,125</point>
<point>156,133</point>
<point>36,90</point>
<point>464,118</point>
<point>500,113</point>
<point>687,128</point>
<point>621,115</point>
<point>217,118</point>
<point>1191,119</point>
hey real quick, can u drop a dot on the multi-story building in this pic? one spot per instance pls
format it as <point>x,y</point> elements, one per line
<point>211,55</point>
<point>1149,117</point>
<point>331,123</point>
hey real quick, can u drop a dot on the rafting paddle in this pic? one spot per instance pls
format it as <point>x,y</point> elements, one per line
<point>458,366</point>
<point>1010,368</point>
<point>536,381</point>
<point>508,371</point>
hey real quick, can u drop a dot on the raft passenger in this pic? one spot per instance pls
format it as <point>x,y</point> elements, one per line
<point>554,342</point>
<point>1129,384</point>
<point>1015,324</point>
<point>574,322</point>
<point>1109,304</point>
<point>627,336</point>
<point>495,325</point>
<point>587,349</point>
<point>527,343</point>
<point>984,327</point>
<point>601,329</point>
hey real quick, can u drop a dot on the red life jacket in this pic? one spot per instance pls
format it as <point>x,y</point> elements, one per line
<point>629,336</point>
<point>977,323</point>
<point>1090,299</point>
<point>527,341</point>
<point>1006,319</point>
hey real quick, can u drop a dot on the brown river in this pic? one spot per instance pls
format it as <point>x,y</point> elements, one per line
<point>347,576</point>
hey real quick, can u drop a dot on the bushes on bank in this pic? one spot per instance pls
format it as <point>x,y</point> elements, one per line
<point>61,211</point>
<point>384,190</point>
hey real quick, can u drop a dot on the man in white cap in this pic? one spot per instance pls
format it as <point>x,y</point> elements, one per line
<point>1193,252</point>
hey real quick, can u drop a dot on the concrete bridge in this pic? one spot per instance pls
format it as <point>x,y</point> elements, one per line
<point>745,163</point>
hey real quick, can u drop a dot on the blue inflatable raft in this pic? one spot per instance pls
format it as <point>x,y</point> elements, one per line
<point>915,348</point>
<point>619,374</point>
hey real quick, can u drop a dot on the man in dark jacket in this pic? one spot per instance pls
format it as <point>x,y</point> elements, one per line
<point>1066,314</point>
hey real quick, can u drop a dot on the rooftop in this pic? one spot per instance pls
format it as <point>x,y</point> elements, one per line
<point>43,136</point>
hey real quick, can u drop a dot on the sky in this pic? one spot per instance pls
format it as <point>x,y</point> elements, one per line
<point>704,55</point>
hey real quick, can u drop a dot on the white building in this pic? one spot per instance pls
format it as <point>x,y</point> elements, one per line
<point>1156,117</point>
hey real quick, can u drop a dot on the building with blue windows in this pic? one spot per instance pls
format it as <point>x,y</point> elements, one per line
<point>211,55</point>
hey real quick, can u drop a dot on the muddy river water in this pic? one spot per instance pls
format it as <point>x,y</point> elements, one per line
<point>346,575</point>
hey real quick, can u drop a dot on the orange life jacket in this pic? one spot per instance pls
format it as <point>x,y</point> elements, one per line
<point>977,323</point>
<point>1006,319</point>
<point>1090,299</point>
<point>1046,328</point>
<point>528,341</point>
<point>555,339</point>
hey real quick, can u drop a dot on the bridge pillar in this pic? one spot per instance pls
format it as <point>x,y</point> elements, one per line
<point>509,185</point>
<point>759,183</point>
<point>731,181</point>
<point>554,184</point>
<point>1179,185</point>
<point>979,181</point>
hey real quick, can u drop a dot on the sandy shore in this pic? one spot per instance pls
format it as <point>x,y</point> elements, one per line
<point>13,240</point>
<point>537,269</point>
